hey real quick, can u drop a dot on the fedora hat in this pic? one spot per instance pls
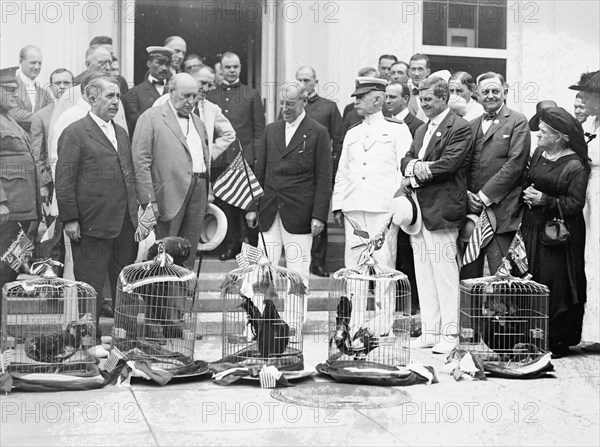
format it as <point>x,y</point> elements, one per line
<point>214,228</point>
<point>407,212</point>
<point>471,222</point>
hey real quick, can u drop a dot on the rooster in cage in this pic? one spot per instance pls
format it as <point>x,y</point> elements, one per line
<point>273,334</point>
<point>367,336</point>
<point>499,328</point>
<point>58,347</point>
<point>253,313</point>
<point>341,336</point>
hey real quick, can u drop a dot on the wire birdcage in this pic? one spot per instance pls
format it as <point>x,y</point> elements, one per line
<point>369,315</point>
<point>263,315</point>
<point>503,319</point>
<point>154,312</point>
<point>49,323</point>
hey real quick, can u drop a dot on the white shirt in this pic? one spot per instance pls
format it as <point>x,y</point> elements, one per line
<point>29,87</point>
<point>107,128</point>
<point>431,128</point>
<point>290,128</point>
<point>193,140</point>
<point>402,115</point>
<point>159,88</point>
<point>486,124</point>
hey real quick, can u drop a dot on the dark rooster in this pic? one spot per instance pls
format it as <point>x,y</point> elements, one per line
<point>341,336</point>
<point>367,336</point>
<point>177,247</point>
<point>500,328</point>
<point>273,333</point>
<point>60,346</point>
<point>253,312</point>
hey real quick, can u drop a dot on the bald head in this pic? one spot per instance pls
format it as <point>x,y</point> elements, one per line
<point>30,61</point>
<point>183,93</point>
<point>308,77</point>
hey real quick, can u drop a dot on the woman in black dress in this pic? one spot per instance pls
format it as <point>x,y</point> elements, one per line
<point>558,177</point>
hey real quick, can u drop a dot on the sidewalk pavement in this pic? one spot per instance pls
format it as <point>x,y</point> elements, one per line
<point>563,410</point>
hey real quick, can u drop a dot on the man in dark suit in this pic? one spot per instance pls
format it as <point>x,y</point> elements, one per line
<point>397,95</point>
<point>243,107</point>
<point>435,167</point>
<point>500,151</point>
<point>19,200</point>
<point>326,113</point>
<point>171,154</point>
<point>95,189</point>
<point>293,166</point>
<point>141,97</point>
<point>31,97</point>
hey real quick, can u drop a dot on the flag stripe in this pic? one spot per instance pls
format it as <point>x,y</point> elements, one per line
<point>483,230</point>
<point>234,188</point>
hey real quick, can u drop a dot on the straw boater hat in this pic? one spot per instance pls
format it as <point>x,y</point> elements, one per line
<point>407,212</point>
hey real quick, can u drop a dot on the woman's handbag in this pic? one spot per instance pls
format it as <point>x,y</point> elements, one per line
<point>555,231</point>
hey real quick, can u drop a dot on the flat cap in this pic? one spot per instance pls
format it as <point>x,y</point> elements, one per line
<point>366,84</point>
<point>8,77</point>
<point>160,52</point>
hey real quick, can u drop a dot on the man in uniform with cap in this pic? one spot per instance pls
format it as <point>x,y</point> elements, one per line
<point>369,173</point>
<point>499,154</point>
<point>19,197</point>
<point>435,167</point>
<point>141,97</point>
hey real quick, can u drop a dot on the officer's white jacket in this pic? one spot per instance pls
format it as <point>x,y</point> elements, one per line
<point>369,170</point>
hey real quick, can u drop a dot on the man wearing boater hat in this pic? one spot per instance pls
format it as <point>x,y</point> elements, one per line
<point>19,193</point>
<point>369,173</point>
<point>141,97</point>
<point>435,168</point>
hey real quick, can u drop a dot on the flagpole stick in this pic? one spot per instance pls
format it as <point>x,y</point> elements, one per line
<point>260,233</point>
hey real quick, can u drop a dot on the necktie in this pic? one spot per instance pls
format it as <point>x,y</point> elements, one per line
<point>181,115</point>
<point>108,134</point>
<point>489,116</point>
<point>158,82</point>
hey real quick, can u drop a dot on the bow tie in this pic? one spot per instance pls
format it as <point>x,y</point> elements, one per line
<point>157,82</point>
<point>181,115</point>
<point>590,136</point>
<point>489,116</point>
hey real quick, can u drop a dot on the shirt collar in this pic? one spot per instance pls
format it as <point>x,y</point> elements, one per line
<point>402,115</point>
<point>439,118</point>
<point>152,78</point>
<point>374,118</point>
<point>297,121</point>
<point>313,97</point>
<point>99,120</point>
<point>225,82</point>
<point>173,109</point>
<point>24,78</point>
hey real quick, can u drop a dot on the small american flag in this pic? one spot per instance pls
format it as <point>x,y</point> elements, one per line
<point>248,255</point>
<point>518,253</point>
<point>18,252</point>
<point>233,187</point>
<point>146,221</point>
<point>482,233</point>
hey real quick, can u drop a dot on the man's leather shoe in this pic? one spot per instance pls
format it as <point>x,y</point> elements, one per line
<point>227,254</point>
<point>107,310</point>
<point>319,271</point>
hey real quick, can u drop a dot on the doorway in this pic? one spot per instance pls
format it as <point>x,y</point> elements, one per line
<point>210,28</point>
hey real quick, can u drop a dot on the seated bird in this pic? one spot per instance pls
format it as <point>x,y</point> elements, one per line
<point>500,329</point>
<point>253,313</point>
<point>177,247</point>
<point>367,336</point>
<point>273,334</point>
<point>341,335</point>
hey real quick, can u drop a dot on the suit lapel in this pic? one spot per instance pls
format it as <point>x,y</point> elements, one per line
<point>98,134</point>
<point>173,124</point>
<point>439,134</point>
<point>497,123</point>
<point>299,137</point>
<point>280,136</point>
<point>151,90</point>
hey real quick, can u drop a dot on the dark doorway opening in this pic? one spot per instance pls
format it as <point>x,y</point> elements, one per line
<point>210,28</point>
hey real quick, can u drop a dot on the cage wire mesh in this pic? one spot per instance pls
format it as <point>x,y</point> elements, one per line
<point>503,319</point>
<point>369,315</point>
<point>263,315</point>
<point>154,312</point>
<point>48,323</point>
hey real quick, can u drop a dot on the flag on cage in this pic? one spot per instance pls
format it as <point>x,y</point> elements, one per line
<point>234,187</point>
<point>248,255</point>
<point>518,253</point>
<point>18,252</point>
<point>482,234</point>
<point>146,221</point>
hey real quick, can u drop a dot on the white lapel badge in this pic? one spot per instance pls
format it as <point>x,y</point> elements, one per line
<point>438,134</point>
<point>496,121</point>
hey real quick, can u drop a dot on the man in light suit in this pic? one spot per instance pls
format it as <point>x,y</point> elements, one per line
<point>31,97</point>
<point>141,97</point>
<point>435,167</point>
<point>60,80</point>
<point>294,167</point>
<point>95,188</point>
<point>170,151</point>
<point>500,151</point>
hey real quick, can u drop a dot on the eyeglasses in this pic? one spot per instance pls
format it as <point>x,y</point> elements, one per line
<point>104,62</point>
<point>57,83</point>
<point>288,104</point>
